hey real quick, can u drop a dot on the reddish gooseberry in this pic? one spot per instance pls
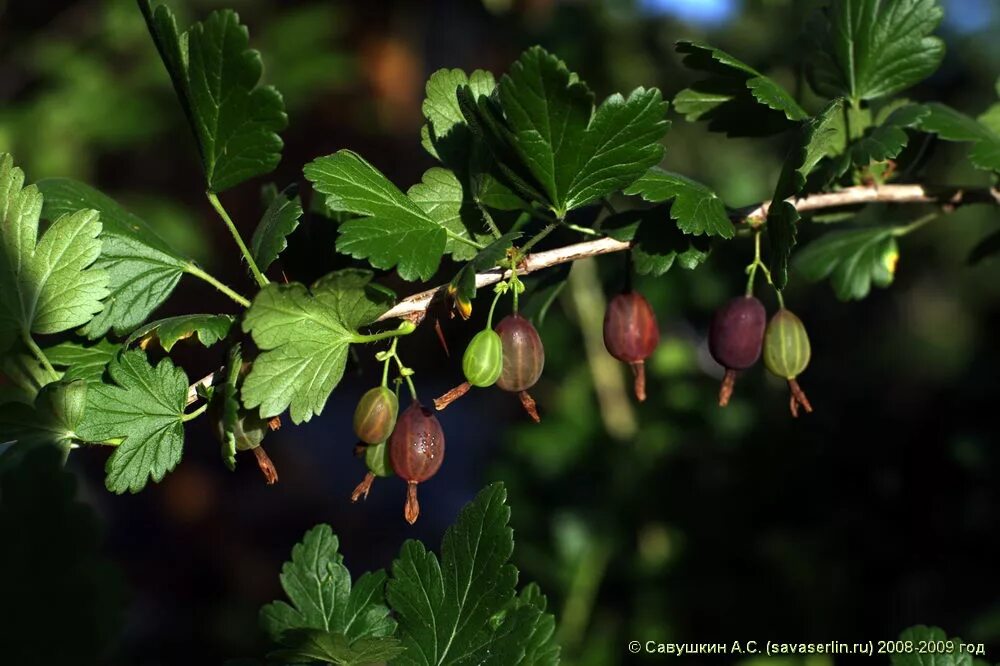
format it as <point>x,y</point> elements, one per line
<point>631,334</point>
<point>375,415</point>
<point>416,449</point>
<point>735,338</point>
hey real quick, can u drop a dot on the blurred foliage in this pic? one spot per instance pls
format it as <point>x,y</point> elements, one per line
<point>875,513</point>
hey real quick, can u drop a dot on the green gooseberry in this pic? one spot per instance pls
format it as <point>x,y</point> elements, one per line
<point>483,359</point>
<point>786,354</point>
<point>375,415</point>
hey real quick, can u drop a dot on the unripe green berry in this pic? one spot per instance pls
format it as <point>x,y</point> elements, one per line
<point>377,459</point>
<point>248,430</point>
<point>483,359</point>
<point>375,415</point>
<point>786,345</point>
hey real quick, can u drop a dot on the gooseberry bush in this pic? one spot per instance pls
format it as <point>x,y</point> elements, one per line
<point>87,365</point>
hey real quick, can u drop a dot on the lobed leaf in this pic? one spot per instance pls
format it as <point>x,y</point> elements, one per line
<point>656,247</point>
<point>215,75</point>
<point>866,49</point>
<point>52,419</point>
<point>81,361</point>
<point>440,195</point>
<point>735,98</point>
<point>853,259</point>
<point>208,328</point>
<point>448,609</point>
<point>328,619</point>
<point>951,125</point>
<point>144,408</point>
<point>392,230</point>
<point>47,284</point>
<point>303,335</point>
<point>280,219</point>
<point>696,209</point>
<point>142,268</point>
<point>576,154</point>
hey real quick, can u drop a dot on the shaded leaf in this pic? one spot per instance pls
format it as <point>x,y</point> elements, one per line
<point>279,221</point>
<point>441,197</point>
<point>736,98</point>
<point>866,49</point>
<point>656,243</point>
<point>887,140</point>
<point>53,419</point>
<point>853,259</point>
<point>319,587</point>
<point>921,633</point>
<point>697,209</point>
<point>334,648</point>
<point>952,125</point>
<point>82,361</point>
<point>446,608</point>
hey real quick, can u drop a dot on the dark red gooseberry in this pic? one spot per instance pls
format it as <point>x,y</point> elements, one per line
<point>631,334</point>
<point>735,338</point>
<point>375,415</point>
<point>416,450</point>
<point>523,359</point>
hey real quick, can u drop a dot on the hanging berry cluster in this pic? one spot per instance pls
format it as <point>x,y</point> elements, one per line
<point>740,330</point>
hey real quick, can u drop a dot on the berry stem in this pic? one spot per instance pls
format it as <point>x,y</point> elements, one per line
<point>752,271</point>
<point>361,491</point>
<point>493,306</point>
<point>405,328</point>
<point>267,467</point>
<point>195,414</point>
<point>213,199</point>
<point>798,398</point>
<point>451,396</point>
<point>529,406</point>
<point>726,390</point>
<point>411,511</point>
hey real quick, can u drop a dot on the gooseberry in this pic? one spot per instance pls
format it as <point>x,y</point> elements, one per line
<point>416,450</point>
<point>735,338</point>
<point>483,359</point>
<point>631,334</point>
<point>375,415</point>
<point>786,354</point>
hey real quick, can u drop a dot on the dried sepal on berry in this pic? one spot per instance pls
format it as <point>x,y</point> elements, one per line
<point>786,354</point>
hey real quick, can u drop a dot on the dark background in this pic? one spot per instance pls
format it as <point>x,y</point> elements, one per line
<point>669,521</point>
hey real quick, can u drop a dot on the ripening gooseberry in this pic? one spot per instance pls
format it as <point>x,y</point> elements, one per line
<point>416,449</point>
<point>249,431</point>
<point>735,338</point>
<point>786,354</point>
<point>375,415</point>
<point>631,334</point>
<point>523,359</point>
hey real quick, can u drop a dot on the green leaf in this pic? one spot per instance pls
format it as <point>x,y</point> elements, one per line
<point>22,376</point>
<point>47,284</point>
<point>577,154</point>
<point>952,125</point>
<point>53,419</point>
<point>887,140</point>
<point>445,609</point>
<point>921,633</point>
<point>334,648</point>
<point>209,329</point>
<point>853,259</point>
<point>81,361</point>
<point>142,268</point>
<point>215,76</point>
<point>144,407</point>
<point>446,135</point>
<point>393,230</point>
<point>866,49</point>
<point>697,209</point>
<point>541,647</point>
<point>736,98</point>
<point>279,221</point>
<point>328,618</point>
<point>818,138</point>
<point>656,245</point>
<point>304,336</point>
<point>441,197</point>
